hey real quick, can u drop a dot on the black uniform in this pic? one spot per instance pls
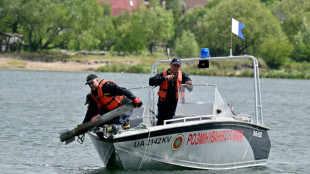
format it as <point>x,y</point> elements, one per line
<point>111,89</point>
<point>166,109</point>
<point>92,109</point>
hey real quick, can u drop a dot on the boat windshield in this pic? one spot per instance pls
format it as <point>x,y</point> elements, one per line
<point>201,100</point>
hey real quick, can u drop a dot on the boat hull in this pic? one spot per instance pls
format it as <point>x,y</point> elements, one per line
<point>104,148</point>
<point>209,145</point>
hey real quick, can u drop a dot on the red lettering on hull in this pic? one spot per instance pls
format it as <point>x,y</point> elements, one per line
<point>215,137</point>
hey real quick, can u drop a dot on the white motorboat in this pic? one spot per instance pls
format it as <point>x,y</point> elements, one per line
<point>205,133</point>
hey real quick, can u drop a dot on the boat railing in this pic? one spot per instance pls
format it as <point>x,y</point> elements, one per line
<point>140,87</point>
<point>146,112</point>
<point>257,91</point>
<point>243,118</point>
<point>185,119</point>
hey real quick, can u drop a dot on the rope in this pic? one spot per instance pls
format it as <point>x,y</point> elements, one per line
<point>141,125</point>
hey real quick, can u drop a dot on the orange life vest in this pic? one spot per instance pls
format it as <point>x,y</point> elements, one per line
<point>105,99</point>
<point>162,92</point>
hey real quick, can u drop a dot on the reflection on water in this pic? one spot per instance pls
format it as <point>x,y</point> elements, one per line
<point>57,153</point>
<point>36,105</point>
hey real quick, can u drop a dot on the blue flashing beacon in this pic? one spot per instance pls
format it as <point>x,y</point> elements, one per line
<point>204,53</point>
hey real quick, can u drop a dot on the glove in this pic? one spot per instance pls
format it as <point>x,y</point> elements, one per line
<point>137,102</point>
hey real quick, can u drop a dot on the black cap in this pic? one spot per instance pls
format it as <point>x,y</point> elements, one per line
<point>176,60</point>
<point>88,97</point>
<point>90,78</point>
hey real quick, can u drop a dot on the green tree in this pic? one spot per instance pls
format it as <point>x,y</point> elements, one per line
<point>190,19</point>
<point>186,45</point>
<point>213,30</point>
<point>295,17</point>
<point>292,13</point>
<point>147,27</point>
<point>160,24</point>
<point>130,39</point>
<point>275,51</point>
<point>12,13</point>
<point>153,3</point>
<point>48,24</point>
<point>115,31</point>
<point>301,42</point>
<point>93,25</point>
<point>177,11</point>
<point>269,2</point>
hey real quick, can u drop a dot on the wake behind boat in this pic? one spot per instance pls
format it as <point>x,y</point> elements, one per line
<point>205,133</point>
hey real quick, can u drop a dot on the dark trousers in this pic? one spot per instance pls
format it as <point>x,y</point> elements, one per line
<point>122,119</point>
<point>166,111</point>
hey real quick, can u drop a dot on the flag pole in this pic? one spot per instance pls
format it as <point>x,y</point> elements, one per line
<point>244,51</point>
<point>230,44</point>
<point>230,50</point>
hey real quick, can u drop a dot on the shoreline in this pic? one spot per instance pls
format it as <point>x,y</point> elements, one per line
<point>130,65</point>
<point>69,66</point>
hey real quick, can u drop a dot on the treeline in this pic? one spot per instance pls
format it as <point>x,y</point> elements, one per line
<point>277,31</point>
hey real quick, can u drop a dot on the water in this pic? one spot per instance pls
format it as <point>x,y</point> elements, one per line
<point>36,105</point>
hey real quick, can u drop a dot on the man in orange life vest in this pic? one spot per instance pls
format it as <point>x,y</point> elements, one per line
<point>169,81</point>
<point>108,96</point>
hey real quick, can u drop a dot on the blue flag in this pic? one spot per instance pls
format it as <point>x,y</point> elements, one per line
<point>236,27</point>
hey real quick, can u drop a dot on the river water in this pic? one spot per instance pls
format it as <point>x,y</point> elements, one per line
<point>36,105</point>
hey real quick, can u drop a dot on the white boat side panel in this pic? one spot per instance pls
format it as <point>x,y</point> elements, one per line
<point>199,149</point>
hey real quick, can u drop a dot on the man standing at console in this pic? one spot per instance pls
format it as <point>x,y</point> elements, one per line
<point>169,81</point>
